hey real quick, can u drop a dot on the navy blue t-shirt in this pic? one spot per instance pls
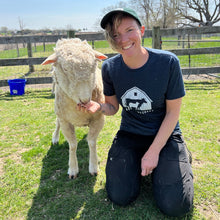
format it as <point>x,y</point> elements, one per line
<point>142,92</point>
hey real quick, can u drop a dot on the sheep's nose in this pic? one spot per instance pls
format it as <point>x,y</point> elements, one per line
<point>84,101</point>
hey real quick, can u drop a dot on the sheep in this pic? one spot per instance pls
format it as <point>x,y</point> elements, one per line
<point>78,80</point>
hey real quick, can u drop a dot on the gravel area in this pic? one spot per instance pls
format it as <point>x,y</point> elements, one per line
<point>198,77</point>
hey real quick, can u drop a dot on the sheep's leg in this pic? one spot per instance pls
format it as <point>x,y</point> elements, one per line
<point>53,88</point>
<point>56,133</point>
<point>94,129</point>
<point>69,133</point>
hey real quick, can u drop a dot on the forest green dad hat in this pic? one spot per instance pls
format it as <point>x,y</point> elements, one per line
<point>127,11</point>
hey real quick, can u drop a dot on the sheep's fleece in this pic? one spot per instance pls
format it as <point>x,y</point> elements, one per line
<point>77,80</point>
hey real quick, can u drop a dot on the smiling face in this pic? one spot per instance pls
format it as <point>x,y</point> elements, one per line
<point>127,37</point>
<point>124,34</point>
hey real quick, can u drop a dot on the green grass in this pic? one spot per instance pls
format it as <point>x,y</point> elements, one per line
<point>200,122</point>
<point>173,44</point>
<point>33,173</point>
<point>37,51</point>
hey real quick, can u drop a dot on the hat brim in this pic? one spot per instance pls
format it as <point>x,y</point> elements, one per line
<point>109,15</point>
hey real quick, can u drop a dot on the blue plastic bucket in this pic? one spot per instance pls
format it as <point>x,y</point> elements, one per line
<point>17,86</point>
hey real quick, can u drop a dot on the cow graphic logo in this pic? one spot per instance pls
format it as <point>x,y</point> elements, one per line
<point>136,99</point>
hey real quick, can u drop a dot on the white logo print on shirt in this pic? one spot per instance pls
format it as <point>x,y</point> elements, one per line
<point>136,99</point>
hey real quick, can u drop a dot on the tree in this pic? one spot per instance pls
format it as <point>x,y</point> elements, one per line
<point>145,7</point>
<point>21,25</point>
<point>161,13</point>
<point>121,4</point>
<point>169,16</point>
<point>4,30</point>
<point>200,12</point>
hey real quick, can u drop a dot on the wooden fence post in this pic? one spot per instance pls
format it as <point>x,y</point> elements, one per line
<point>183,43</point>
<point>70,34</point>
<point>17,47</point>
<point>179,38</point>
<point>156,39</point>
<point>189,47</point>
<point>44,46</point>
<point>31,67</point>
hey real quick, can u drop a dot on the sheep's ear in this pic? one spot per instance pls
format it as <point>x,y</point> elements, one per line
<point>100,56</point>
<point>51,59</point>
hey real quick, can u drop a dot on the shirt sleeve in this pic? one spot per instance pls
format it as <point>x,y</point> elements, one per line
<point>175,87</point>
<point>107,81</point>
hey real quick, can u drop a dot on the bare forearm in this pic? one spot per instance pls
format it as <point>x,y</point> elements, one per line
<point>168,124</point>
<point>108,109</point>
<point>151,157</point>
<point>164,132</point>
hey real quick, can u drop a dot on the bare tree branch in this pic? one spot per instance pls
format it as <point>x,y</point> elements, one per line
<point>202,12</point>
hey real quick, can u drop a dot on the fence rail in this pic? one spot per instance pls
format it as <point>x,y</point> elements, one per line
<point>156,35</point>
<point>39,60</point>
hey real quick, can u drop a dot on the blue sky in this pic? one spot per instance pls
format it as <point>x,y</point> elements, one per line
<point>37,14</point>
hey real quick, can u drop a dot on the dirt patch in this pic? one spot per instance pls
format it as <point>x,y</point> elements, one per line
<point>209,211</point>
<point>1,166</point>
<point>201,77</point>
<point>16,157</point>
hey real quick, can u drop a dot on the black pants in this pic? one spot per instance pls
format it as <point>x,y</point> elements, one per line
<point>172,179</point>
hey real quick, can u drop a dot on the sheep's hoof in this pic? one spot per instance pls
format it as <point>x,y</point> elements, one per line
<point>73,173</point>
<point>55,141</point>
<point>72,177</point>
<point>94,174</point>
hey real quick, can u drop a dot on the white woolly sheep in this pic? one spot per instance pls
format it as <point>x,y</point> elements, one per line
<point>78,80</point>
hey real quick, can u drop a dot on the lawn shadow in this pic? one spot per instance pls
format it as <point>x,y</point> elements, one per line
<point>58,197</point>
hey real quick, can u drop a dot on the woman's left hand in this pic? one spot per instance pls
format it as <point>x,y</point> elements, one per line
<point>149,162</point>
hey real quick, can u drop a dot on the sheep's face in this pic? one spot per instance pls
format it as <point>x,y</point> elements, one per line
<point>75,69</point>
<point>77,78</point>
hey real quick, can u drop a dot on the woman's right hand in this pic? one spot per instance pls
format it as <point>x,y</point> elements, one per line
<point>90,107</point>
